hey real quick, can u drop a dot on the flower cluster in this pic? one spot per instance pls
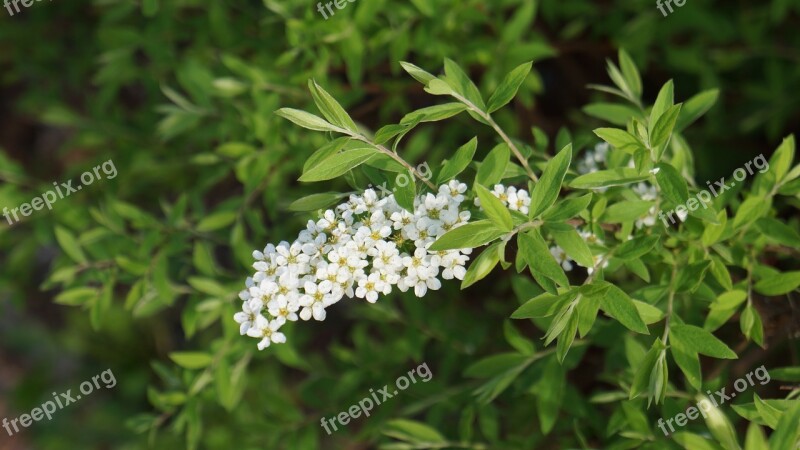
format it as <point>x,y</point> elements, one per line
<point>362,248</point>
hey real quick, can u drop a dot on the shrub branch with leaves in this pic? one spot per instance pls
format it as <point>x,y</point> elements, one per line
<point>600,218</point>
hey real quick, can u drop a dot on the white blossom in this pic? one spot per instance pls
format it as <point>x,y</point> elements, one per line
<point>361,248</point>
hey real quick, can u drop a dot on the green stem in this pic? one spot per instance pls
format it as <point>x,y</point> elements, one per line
<point>488,118</point>
<point>665,336</point>
<point>394,156</point>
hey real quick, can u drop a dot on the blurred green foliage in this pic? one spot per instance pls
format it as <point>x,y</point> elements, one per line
<point>181,96</point>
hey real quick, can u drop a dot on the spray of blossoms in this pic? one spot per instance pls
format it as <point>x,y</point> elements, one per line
<point>363,248</point>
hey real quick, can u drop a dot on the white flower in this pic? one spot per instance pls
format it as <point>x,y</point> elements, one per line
<point>519,201</point>
<point>267,331</point>
<point>247,316</point>
<point>370,287</point>
<point>454,189</point>
<point>590,237</point>
<point>453,263</point>
<point>499,191</point>
<point>357,249</point>
<point>386,256</point>
<point>645,191</point>
<point>561,256</point>
<point>284,307</point>
<point>596,260</point>
<point>292,256</point>
<point>315,300</point>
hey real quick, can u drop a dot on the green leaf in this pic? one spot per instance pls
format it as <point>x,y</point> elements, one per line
<point>438,87</point>
<point>314,202</point>
<point>786,373</point>
<point>662,130</point>
<point>494,209</point>
<point>508,88</point>
<point>521,21</point>
<point>730,299</point>
<point>208,286</point>
<point>543,305</point>
<point>517,340</point>
<point>330,108</point>
<point>755,439</point>
<point>606,178</point>
<point>328,150</point>
<point>781,160</point>
<point>574,245</point>
<point>405,194</point>
<point>778,231</point>
<point>433,113</point>
<point>780,284</point>
<point>611,112</point>
<point>494,365</point>
<point>535,252</point>
<point>417,73</point>
<point>690,441</point>
<point>713,232</point>
<point>549,392</point>
<point>630,72</point>
<point>568,208</point>
<point>648,313</point>
<point>750,210</point>
<point>191,360</point>
<point>665,99</point>
<point>386,133</point>
<point>457,79</point>
<point>620,139</point>
<point>751,325</point>
<point>76,296</point>
<point>493,166</point>
<point>701,341</point>
<point>620,81</point>
<point>787,432</point>
<point>636,247</point>
<point>626,211</point>
<point>307,120</point>
<point>688,361</point>
<point>471,235</point>
<point>695,107</point>
<point>641,378</point>
<point>217,220</point>
<point>617,304</point>
<point>338,164</point>
<point>546,190</point>
<point>458,162</point>
<point>69,244</point>
<point>770,414</point>
<point>411,431</point>
<point>673,185</point>
<point>482,265</point>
